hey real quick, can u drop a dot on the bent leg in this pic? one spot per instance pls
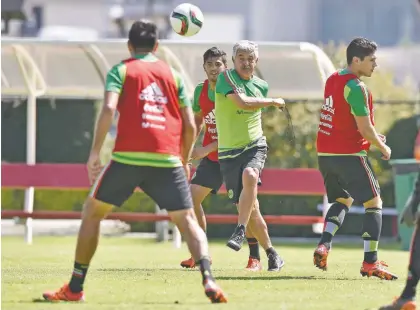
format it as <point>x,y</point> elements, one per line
<point>199,193</point>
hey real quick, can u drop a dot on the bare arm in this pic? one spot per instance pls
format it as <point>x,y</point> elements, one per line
<point>211,147</point>
<point>368,132</point>
<point>105,120</point>
<point>188,133</point>
<point>252,103</point>
<point>200,152</point>
<point>199,122</point>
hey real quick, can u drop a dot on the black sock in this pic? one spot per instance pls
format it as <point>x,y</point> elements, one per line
<point>78,277</point>
<point>205,269</point>
<point>271,251</point>
<point>254,249</point>
<point>372,226</point>
<point>409,291</point>
<point>333,221</point>
<point>414,267</point>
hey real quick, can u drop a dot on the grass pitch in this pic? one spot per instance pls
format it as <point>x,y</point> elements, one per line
<point>130,273</point>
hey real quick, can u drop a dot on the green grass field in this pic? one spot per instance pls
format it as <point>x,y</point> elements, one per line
<point>129,273</point>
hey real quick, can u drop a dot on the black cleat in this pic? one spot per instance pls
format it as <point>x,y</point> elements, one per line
<point>236,240</point>
<point>275,262</point>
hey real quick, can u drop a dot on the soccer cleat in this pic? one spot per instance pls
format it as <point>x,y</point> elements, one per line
<point>377,269</point>
<point>214,292</point>
<point>236,240</point>
<point>401,304</point>
<point>275,263</point>
<point>320,257</point>
<point>64,294</point>
<point>188,263</point>
<point>254,264</point>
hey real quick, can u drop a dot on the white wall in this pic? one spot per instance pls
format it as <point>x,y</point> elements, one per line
<point>283,20</point>
<point>76,13</point>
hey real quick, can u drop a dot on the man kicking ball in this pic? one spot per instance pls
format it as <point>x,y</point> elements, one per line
<point>208,178</point>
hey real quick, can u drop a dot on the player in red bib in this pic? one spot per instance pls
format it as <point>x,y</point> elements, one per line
<point>346,132</point>
<point>208,178</point>
<point>156,132</point>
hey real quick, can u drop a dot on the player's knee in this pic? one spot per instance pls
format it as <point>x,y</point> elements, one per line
<point>375,202</point>
<point>187,223</point>
<point>250,176</point>
<point>198,193</point>
<point>182,218</point>
<point>345,201</point>
<point>95,210</point>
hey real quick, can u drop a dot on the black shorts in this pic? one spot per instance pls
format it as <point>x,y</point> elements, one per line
<point>232,169</point>
<point>348,176</point>
<point>208,175</point>
<point>168,187</point>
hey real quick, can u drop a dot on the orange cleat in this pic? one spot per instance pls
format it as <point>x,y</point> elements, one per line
<point>188,263</point>
<point>400,304</point>
<point>214,292</point>
<point>320,257</point>
<point>377,269</point>
<point>64,294</point>
<point>253,264</point>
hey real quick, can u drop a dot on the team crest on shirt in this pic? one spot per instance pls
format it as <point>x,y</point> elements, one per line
<point>230,194</point>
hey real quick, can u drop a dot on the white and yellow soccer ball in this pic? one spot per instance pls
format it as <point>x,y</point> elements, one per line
<point>186,19</point>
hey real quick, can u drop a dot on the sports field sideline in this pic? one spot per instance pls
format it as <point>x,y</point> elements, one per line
<point>129,273</point>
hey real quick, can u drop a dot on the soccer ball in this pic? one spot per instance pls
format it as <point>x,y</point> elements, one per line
<point>186,19</point>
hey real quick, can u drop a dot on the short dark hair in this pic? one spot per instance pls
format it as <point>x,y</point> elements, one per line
<point>143,34</point>
<point>360,47</point>
<point>214,52</point>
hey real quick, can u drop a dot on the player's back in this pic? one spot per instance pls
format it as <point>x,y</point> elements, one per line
<point>338,132</point>
<point>149,109</point>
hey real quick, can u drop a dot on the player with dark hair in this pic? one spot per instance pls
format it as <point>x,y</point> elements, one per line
<point>346,132</point>
<point>208,178</point>
<point>156,132</point>
<point>242,146</point>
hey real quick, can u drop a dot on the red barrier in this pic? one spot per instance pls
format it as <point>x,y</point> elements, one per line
<point>74,176</point>
<point>150,217</point>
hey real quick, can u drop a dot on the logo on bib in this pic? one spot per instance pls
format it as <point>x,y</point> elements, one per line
<point>210,118</point>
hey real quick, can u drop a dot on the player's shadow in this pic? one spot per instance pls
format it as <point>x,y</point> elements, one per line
<point>282,278</point>
<point>136,269</point>
<point>173,303</point>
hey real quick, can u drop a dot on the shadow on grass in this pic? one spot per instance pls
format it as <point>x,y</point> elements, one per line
<point>282,278</point>
<point>44,301</point>
<point>352,243</point>
<point>137,269</point>
<point>176,302</point>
